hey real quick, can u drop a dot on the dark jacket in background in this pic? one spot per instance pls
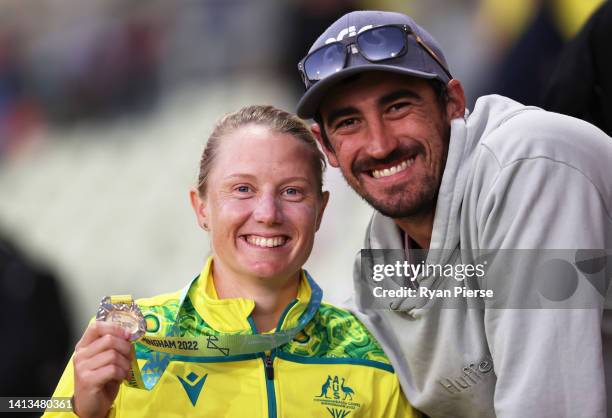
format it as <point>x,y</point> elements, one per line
<point>581,85</point>
<point>35,324</point>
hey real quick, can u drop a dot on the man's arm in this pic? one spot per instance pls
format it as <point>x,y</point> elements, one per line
<point>548,362</point>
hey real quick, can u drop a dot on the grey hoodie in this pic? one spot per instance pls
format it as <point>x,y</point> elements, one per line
<point>516,177</point>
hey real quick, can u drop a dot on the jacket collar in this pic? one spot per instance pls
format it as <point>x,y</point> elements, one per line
<point>233,315</point>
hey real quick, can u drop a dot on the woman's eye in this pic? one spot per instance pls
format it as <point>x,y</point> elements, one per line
<point>243,189</point>
<point>292,192</point>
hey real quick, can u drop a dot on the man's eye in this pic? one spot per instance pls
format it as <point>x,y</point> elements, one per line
<point>346,123</point>
<point>397,106</point>
<point>243,189</point>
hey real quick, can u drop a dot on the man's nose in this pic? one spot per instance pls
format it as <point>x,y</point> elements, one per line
<point>268,210</point>
<point>381,141</point>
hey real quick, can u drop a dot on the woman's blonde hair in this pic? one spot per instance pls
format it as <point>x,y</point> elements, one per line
<point>267,116</point>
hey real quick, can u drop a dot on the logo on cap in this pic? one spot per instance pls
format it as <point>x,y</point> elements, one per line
<point>350,31</point>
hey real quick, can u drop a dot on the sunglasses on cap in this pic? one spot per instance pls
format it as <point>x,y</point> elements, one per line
<point>375,44</point>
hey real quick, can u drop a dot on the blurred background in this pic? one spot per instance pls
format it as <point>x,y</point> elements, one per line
<point>105,106</point>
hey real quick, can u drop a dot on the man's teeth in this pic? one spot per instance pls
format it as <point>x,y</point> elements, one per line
<point>392,170</point>
<point>266,242</point>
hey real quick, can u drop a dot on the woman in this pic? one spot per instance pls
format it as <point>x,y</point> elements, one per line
<point>260,198</point>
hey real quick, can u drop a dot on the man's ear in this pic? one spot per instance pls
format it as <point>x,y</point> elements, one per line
<point>199,207</point>
<point>455,106</point>
<point>329,153</point>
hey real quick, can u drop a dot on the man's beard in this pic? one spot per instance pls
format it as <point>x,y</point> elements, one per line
<point>401,200</point>
<point>405,200</point>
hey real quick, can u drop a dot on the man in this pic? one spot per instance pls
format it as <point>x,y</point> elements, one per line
<point>389,114</point>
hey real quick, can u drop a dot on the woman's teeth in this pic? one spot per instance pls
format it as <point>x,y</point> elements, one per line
<point>266,242</point>
<point>392,170</point>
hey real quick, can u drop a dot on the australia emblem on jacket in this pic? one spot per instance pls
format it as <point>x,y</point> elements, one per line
<point>337,396</point>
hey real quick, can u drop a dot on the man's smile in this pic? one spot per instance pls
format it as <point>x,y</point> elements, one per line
<point>394,169</point>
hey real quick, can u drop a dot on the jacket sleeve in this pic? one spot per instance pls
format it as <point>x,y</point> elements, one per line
<point>397,405</point>
<point>65,389</point>
<point>548,362</point>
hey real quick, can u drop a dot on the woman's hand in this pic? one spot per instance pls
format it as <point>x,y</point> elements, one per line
<point>101,362</point>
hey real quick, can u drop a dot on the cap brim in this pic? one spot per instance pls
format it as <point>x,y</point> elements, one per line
<point>310,101</point>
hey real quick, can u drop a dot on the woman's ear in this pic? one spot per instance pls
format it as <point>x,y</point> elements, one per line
<point>324,200</point>
<point>199,207</point>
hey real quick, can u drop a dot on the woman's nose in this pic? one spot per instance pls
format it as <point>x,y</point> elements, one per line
<point>268,210</point>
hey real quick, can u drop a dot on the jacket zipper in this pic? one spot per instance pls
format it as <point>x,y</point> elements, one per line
<point>268,363</point>
<point>268,359</point>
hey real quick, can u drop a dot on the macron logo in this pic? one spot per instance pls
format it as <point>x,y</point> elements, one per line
<point>350,31</point>
<point>194,386</point>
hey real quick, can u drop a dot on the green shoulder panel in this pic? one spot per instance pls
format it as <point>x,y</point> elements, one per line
<point>336,333</point>
<point>159,313</point>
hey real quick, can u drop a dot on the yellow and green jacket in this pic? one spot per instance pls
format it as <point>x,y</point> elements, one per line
<point>332,368</point>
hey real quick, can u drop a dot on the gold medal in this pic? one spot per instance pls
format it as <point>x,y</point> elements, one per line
<point>123,311</point>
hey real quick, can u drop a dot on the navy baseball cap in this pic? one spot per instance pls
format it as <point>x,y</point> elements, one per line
<point>416,61</point>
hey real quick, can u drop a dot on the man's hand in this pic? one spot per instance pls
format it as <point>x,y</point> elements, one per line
<point>101,362</point>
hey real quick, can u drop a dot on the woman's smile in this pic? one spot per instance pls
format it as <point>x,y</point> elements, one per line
<point>263,205</point>
<point>269,242</point>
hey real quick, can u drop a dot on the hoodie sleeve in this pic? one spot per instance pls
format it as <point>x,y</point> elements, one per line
<point>548,358</point>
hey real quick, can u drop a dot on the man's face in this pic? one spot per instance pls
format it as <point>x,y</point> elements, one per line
<point>390,139</point>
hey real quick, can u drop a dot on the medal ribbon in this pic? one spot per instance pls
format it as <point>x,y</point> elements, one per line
<point>164,348</point>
